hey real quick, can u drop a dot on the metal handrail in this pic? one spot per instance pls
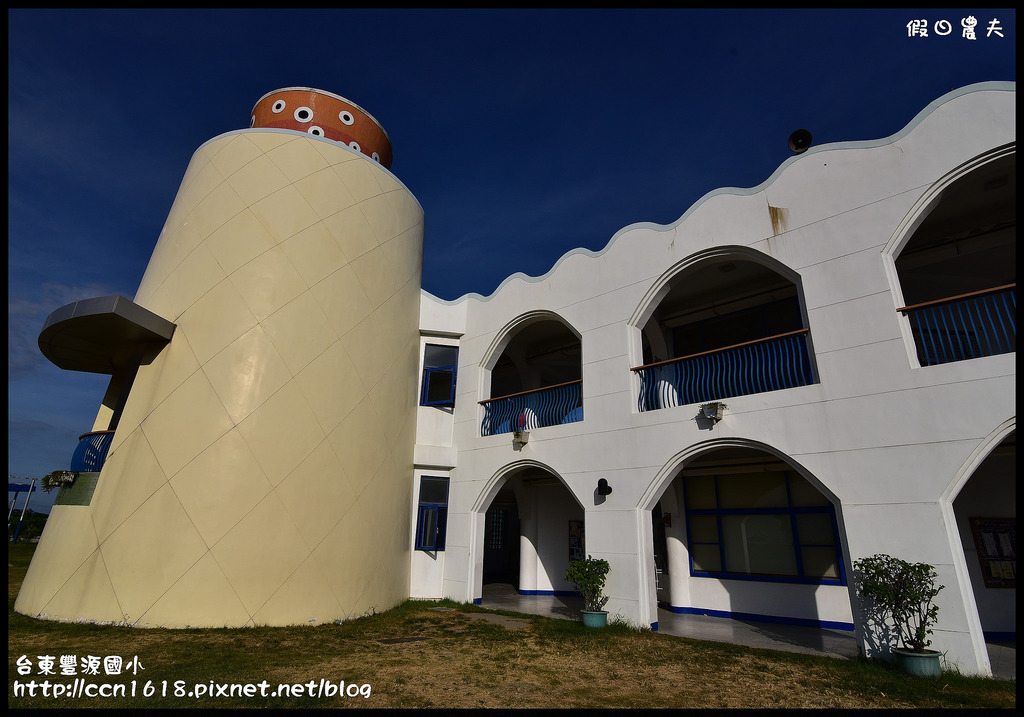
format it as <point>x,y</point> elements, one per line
<point>768,364</point>
<point>538,408</point>
<point>719,350</point>
<point>948,299</point>
<point>93,433</point>
<point>967,326</point>
<point>532,390</point>
<point>91,452</point>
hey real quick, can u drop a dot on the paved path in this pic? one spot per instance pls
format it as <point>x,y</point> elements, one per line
<point>790,638</point>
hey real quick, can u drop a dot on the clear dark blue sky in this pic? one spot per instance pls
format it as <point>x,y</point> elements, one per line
<point>524,134</point>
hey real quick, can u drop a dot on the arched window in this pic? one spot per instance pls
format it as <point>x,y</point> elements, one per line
<point>751,517</point>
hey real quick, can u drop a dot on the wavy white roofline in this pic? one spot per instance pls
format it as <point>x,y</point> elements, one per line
<point>855,144</point>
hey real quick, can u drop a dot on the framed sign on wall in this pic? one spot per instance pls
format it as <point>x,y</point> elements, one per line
<point>576,540</point>
<point>996,541</point>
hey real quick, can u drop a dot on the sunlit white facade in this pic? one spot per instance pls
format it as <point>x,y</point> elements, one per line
<point>852,425</point>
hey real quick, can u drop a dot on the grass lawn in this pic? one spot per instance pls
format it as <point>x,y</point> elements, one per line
<point>451,655</point>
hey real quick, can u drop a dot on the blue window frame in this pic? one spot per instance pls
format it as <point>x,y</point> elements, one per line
<point>769,526</point>
<point>440,367</point>
<point>432,514</point>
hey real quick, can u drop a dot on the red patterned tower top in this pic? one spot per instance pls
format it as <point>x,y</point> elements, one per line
<point>324,114</point>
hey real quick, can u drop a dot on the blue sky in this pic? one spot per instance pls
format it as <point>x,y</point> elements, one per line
<point>524,134</point>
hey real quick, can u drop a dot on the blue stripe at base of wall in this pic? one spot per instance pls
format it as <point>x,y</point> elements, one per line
<point>654,627</point>
<point>1000,637</point>
<point>754,617</point>
<point>555,593</point>
<point>552,593</point>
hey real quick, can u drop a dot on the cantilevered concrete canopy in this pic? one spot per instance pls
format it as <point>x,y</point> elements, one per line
<point>102,335</point>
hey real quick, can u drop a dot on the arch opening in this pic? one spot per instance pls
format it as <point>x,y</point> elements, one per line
<point>739,532</point>
<point>729,324</point>
<point>532,526</point>
<point>957,270</point>
<point>986,518</point>
<point>535,378</point>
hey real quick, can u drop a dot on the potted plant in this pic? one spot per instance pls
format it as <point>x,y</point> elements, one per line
<point>902,594</point>
<point>589,576</point>
<point>58,479</point>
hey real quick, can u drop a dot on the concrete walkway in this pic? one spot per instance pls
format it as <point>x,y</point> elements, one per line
<point>789,638</point>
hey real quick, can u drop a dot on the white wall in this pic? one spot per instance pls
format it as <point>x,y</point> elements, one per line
<point>555,507</point>
<point>427,573</point>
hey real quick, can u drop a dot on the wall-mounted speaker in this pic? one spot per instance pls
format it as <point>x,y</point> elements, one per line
<point>799,141</point>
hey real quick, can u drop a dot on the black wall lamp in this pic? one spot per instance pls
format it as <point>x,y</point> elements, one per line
<point>603,488</point>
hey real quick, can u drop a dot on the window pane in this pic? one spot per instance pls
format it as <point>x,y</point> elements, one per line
<point>440,384</point>
<point>442,528</point>
<point>434,490</point>
<point>805,495</point>
<point>704,529</point>
<point>815,529</point>
<point>428,528</point>
<point>432,517</point>
<point>819,562</point>
<point>700,492</point>
<point>435,356</point>
<point>759,544</point>
<point>496,529</point>
<point>753,490</point>
<point>759,520</point>
<point>706,559</point>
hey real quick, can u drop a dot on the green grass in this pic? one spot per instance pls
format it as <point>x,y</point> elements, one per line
<point>416,656</point>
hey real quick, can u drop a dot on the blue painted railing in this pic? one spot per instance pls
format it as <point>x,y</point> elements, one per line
<point>767,364</point>
<point>541,407</point>
<point>91,452</point>
<point>982,323</point>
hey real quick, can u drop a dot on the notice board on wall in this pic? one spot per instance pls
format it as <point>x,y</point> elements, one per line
<point>576,540</point>
<point>996,541</point>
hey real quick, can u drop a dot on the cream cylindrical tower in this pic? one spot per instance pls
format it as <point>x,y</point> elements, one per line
<point>261,468</point>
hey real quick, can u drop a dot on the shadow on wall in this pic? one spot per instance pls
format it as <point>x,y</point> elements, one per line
<point>879,634</point>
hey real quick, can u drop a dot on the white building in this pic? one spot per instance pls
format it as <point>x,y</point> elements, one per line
<point>892,427</point>
<point>730,409</point>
